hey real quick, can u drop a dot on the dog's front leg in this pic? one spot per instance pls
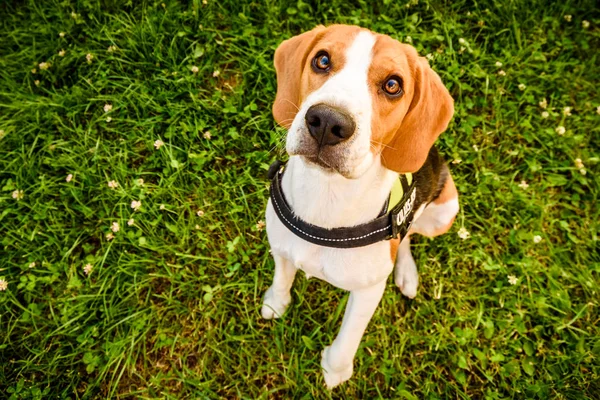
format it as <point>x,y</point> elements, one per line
<point>278,297</point>
<point>337,359</point>
<point>405,271</point>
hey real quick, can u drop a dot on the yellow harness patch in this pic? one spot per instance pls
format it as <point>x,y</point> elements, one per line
<point>397,190</point>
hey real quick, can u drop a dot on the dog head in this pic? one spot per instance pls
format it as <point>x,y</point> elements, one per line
<point>350,96</point>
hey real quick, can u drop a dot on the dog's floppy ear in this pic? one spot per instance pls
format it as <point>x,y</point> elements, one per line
<point>290,60</point>
<point>428,115</point>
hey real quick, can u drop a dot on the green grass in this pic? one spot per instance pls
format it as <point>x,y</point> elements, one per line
<point>171,306</point>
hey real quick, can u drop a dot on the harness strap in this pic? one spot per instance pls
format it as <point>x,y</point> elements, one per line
<point>391,224</point>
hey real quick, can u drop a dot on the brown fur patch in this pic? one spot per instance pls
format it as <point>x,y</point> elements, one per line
<point>394,243</point>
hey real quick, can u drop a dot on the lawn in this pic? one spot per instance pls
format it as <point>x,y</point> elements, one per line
<point>134,143</point>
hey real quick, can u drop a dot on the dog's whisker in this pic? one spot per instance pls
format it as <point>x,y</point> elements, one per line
<point>382,144</point>
<point>297,108</point>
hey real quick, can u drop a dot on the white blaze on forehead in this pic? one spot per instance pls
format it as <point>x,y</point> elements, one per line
<point>358,56</point>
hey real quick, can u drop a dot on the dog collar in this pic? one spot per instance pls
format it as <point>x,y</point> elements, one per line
<point>393,221</point>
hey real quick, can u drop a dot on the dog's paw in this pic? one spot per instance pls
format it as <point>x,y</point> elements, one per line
<point>334,377</point>
<point>274,305</point>
<point>406,276</point>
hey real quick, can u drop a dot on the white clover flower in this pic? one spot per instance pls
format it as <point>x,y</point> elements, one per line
<point>523,185</point>
<point>113,184</point>
<point>456,161</point>
<point>429,56</point>
<point>545,114</point>
<point>158,144</point>
<point>110,236</point>
<point>87,269</point>
<point>543,103</point>
<point>463,233</point>
<point>408,39</point>
<point>475,147</point>
<point>567,111</point>
<point>36,82</point>
<point>74,15</point>
<point>579,163</point>
<point>108,119</point>
<point>585,24</point>
<point>107,107</point>
<point>560,130</point>
<point>501,73</point>
<point>207,135</point>
<point>582,171</point>
<point>568,17</point>
<point>34,71</point>
<point>462,41</point>
<point>498,64</point>
<point>200,213</point>
<point>260,225</point>
<point>216,73</point>
<point>197,226</point>
<point>18,195</point>
<point>537,239</point>
<point>136,204</point>
<point>512,279</point>
<point>69,177</point>
<point>162,207</point>
<point>89,57</point>
<point>44,65</point>
<point>130,222</point>
<point>522,86</point>
<point>62,53</point>
<point>61,34</point>
<point>139,182</point>
<point>3,285</point>
<point>32,265</point>
<point>195,69</point>
<point>598,110</point>
<point>115,227</point>
<point>111,49</point>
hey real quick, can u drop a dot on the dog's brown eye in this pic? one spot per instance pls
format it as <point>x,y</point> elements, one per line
<point>321,62</point>
<point>393,86</point>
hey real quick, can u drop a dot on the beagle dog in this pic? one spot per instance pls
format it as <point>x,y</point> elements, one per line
<point>362,111</point>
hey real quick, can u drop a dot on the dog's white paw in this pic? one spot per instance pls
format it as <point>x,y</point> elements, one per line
<point>274,305</point>
<point>406,276</point>
<point>334,377</point>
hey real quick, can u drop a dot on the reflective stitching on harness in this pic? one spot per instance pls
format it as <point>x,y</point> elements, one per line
<point>320,238</point>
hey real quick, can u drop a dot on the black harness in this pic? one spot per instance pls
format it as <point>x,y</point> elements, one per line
<point>393,221</point>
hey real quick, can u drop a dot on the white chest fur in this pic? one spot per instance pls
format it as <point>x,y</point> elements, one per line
<point>329,200</point>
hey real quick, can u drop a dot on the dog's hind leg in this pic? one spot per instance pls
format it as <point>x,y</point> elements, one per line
<point>438,216</point>
<point>277,298</point>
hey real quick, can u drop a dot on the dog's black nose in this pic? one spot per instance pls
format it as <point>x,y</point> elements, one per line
<point>328,125</point>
